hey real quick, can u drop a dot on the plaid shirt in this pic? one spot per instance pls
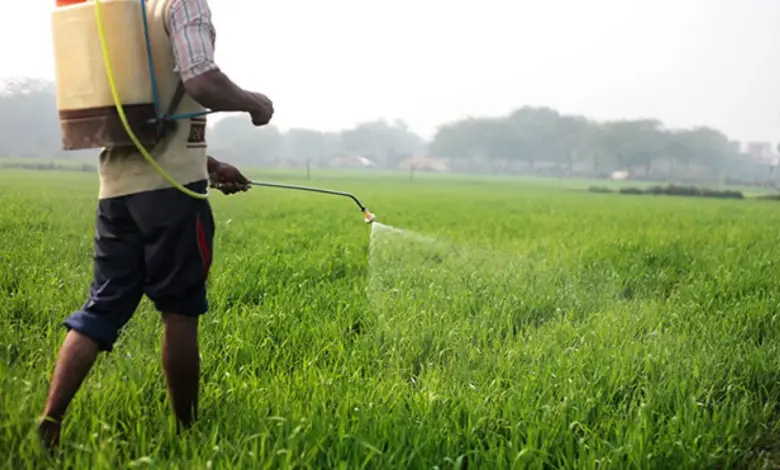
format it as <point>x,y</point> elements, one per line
<point>192,36</point>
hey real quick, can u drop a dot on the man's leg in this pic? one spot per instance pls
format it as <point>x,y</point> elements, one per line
<point>178,233</point>
<point>75,360</point>
<point>181,363</point>
<point>116,290</point>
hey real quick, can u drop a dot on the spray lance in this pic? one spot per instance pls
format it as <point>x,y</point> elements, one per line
<point>368,217</point>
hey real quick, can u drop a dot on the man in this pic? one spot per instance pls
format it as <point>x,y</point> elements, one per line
<point>151,238</point>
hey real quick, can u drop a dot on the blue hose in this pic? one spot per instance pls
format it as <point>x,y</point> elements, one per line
<point>155,91</point>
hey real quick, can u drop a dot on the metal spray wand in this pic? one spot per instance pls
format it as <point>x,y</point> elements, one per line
<point>368,217</point>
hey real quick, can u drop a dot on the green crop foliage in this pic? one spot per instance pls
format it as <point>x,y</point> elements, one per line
<point>510,324</point>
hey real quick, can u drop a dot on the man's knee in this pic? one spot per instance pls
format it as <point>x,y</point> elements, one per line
<point>180,321</point>
<point>102,329</point>
<point>190,303</point>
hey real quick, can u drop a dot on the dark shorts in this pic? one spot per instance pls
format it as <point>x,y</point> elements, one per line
<point>158,243</point>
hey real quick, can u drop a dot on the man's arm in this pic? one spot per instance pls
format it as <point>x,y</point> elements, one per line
<point>192,37</point>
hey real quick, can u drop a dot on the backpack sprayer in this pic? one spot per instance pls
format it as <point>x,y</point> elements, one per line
<point>87,118</point>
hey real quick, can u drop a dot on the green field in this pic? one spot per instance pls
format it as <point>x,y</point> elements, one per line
<point>511,325</point>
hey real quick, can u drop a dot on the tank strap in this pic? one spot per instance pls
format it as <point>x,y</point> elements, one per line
<point>177,96</point>
<point>164,124</point>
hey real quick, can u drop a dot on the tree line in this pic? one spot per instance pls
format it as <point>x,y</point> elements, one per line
<point>540,138</point>
<point>528,140</point>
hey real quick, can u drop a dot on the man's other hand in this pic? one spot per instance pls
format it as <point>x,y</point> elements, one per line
<point>226,178</point>
<point>263,110</point>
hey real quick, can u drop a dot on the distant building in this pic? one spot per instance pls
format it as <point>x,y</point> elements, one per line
<point>619,175</point>
<point>352,162</point>
<point>424,164</point>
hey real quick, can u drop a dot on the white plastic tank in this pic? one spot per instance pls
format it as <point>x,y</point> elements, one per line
<point>87,114</point>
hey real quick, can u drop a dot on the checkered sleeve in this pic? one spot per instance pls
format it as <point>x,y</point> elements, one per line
<point>192,37</point>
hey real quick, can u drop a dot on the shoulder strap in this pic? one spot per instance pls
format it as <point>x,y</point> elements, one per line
<point>165,125</point>
<point>177,96</point>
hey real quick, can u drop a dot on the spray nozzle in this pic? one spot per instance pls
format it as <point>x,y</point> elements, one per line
<point>368,216</point>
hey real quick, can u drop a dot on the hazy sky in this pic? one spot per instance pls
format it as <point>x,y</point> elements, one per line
<point>330,64</point>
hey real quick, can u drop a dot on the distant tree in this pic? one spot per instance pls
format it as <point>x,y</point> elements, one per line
<point>384,143</point>
<point>533,135</point>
